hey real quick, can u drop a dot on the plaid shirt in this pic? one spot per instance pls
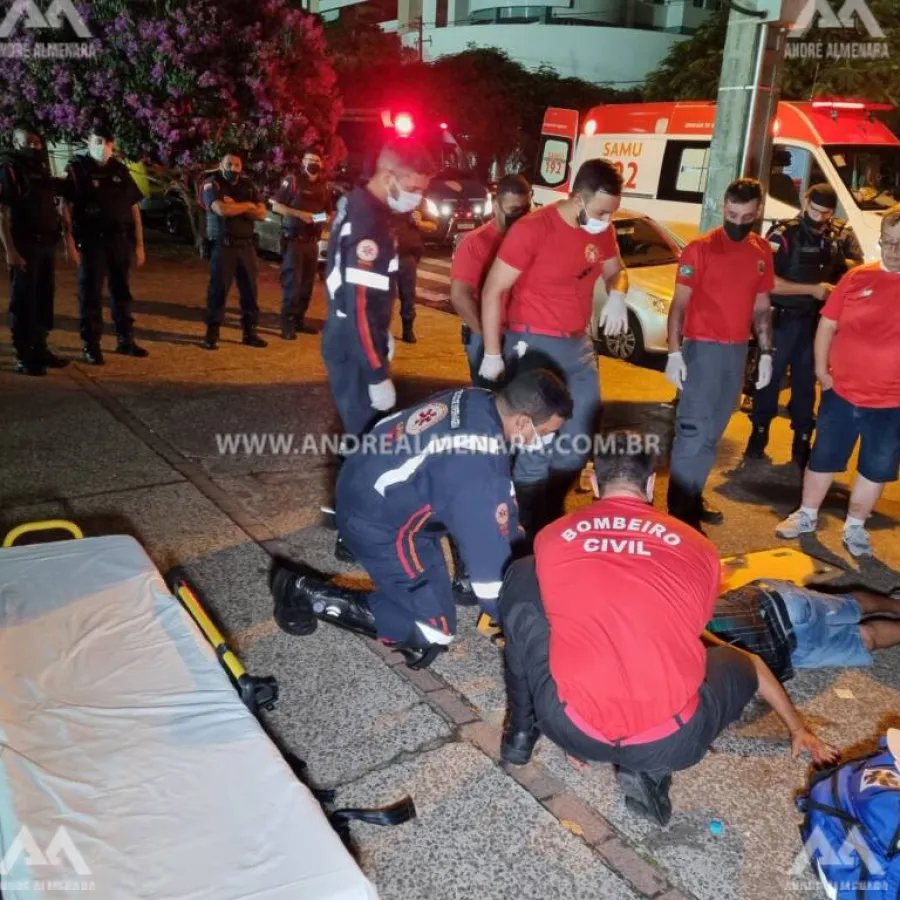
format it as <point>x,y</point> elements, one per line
<point>754,618</point>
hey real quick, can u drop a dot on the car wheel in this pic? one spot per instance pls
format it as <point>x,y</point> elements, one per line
<point>628,346</point>
<point>176,224</point>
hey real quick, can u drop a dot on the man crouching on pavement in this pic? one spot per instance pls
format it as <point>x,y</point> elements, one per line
<point>441,468</point>
<point>605,637</point>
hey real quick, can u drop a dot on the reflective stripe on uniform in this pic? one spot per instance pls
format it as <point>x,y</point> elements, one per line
<point>471,443</point>
<point>334,281</point>
<point>394,265</point>
<point>487,590</point>
<point>433,636</point>
<point>368,279</point>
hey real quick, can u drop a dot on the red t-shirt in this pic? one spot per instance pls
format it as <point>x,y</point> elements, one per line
<point>474,257</point>
<point>725,277</point>
<point>627,590</point>
<point>560,265</point>
<point>865,351</point>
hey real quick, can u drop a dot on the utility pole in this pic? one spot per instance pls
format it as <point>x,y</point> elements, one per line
<point>747,103</point>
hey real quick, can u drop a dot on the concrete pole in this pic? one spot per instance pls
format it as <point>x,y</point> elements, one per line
<point>749,88</point>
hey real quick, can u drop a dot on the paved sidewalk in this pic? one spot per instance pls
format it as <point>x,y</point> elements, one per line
<point>131,448</point>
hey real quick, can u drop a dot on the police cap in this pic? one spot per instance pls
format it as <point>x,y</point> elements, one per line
<point>823,195</point>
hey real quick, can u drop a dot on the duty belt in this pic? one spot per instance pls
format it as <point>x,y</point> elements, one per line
<point>228,241</point>
<point>544,332</point>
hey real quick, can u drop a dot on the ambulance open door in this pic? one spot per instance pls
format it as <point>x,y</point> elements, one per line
<point>556,155</point>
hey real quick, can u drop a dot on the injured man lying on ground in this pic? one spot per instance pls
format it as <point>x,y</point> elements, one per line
<point>606,648</point>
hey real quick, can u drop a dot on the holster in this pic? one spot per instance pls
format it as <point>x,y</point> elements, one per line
<point>466,335</point>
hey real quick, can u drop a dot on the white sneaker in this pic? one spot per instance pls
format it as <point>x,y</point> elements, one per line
<point>797,523</point>
<point>856,540</point>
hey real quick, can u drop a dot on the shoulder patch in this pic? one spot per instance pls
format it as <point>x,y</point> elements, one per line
<point>775,245</point>
<point>761,266</point>
<point>367,250</point>
<point>502,516</point>
<point>455,412</point>
<point>423,419</point>
<point>685,270</point>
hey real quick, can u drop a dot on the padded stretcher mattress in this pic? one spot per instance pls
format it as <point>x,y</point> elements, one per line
<point>118,724</point>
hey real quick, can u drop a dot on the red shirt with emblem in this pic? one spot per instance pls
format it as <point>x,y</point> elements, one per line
<point>474,256</point>
<point>865,352</point>
<point>560,265</point>
<point>627,590</point>
<point>725,276</point>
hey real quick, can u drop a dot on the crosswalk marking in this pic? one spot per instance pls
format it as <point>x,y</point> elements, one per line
<point>425,275</point>
<point>440,263</point>
<point>431,296</point>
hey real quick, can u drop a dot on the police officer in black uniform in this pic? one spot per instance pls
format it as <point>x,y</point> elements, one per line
<point>410,249</point>
<point>30,230</point>
<point>103,234</point>
<point>232,207</point>
<point>304,203</point>
<point>440,468</point>
<point>812,251</point>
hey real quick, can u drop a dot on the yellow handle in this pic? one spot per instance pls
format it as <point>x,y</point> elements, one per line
<point>45,525</point>
<point>213,635</point>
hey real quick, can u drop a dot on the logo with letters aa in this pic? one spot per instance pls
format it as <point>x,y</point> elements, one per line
<point>686,271</point>
<point>367,251</point>
<point>425,417</point>
<point>591,253</point>
<point>502,516</point>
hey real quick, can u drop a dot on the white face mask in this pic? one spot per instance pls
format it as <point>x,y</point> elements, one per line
<point>538,441</point>
<point>405,202</point>
<point>101,152</point>
<point>592,226</point>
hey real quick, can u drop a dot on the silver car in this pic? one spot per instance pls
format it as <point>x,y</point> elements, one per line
<point>268,233</point>
<point>651,253</point>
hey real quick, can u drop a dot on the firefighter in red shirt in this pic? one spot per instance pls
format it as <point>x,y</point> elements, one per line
<point>605,633</point>
<point>474,258</point>
<point>549,265</point>
<point>722,287</point>
<point>858,365</point>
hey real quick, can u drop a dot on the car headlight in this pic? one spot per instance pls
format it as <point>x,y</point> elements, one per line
<point>446,210</point>
<point>658,304</point>
<point>488,206</point>
<point>431,208</point>
<point>477,209</point>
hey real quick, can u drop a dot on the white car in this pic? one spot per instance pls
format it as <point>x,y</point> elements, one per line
<point>650,253</point>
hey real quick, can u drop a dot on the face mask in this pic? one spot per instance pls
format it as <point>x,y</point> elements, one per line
<point>591,226</point>
<point>312,168</point>
<point>31,154</point>
<point>737,232</point>
<point>101,152</point>
<point>812,224</point>
<point>404,202</point>
<point>230,176</point>
<point>509,219</point>
<point>538,441</point>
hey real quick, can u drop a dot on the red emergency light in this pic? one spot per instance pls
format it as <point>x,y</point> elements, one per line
<point>403,124</point>
<point>857,105</point>
<point>443,126</point>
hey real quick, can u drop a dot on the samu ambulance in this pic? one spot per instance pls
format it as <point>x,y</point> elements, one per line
<point>662,152</point>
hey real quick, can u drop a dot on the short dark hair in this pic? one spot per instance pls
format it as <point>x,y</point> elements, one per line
<point>406,155</point>
<point>517,185</point>
<point>626,457</point>
<point>102,130</point>
<point>823,194</point>
<point>539,394</point>
<point>598,175</point>
<point>743,190</point>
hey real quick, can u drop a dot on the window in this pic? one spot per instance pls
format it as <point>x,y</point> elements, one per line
<point>641,243</point>
<point>685,169</point>
<point>553,162</point>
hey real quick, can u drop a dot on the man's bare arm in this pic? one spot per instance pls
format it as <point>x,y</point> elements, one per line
<point>282,210</point>
<point>138,227</point>
<point>500,280</point>
<point>795,289</point>
<point>822,349</point>
<point>615,275</point>
<point>230,210</point>
<point>677,312</point>
<point>462,299</point>
<point>12,255</point>
<point>762,322</point>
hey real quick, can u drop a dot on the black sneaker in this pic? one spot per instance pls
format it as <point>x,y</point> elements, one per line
<point>759,440</point>
<point>93,355</point>
<point>463,595</point>
<point>30,367</point>
<point>517,746</point>
<point>289,331</point>
<point>709,514</point>
<point>645,796</point>
<point>409,336</point>
<point>211,341</point>
<point>252,339</point>
<point>293,613</point>
<point>130,348</point>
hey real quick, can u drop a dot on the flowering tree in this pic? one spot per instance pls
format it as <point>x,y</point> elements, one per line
<point>179,80</point>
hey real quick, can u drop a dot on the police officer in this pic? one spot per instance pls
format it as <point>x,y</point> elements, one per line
<point>438,469</point>
<point>549,264</point>
<point>30,229</point>
<point>361,275</point>
<point>232,207</point>
<point>812,251</point>
<point>410,249</point>
<point>304,203</point>
<point>103,234</point>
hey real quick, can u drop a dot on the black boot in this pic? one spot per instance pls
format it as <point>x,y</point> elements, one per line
<point>211,341</point>
<point>684,505</point>
<point>252,339</point>
<point>520,732</point>
<point>127,347</point>
<point>800,449</point>
<point>288,328</point>
<point>463,595</point>
<point>759,440</point>
<point>46,356</point>
<point>29,364</point>
<point>646,796</point>
<point>342,552</point>
<point>93,355</point>
<point>297,597</point>
<point>409,336</point>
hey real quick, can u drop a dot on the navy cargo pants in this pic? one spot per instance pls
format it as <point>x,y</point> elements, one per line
<point>299,263</point>
<point>105,258</point>
<point>31,292</point>
<point>230,261</point>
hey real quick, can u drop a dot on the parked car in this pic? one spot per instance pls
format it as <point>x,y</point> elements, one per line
<point>650,253</point>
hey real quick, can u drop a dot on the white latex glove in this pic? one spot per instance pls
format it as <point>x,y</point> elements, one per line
<point>392,347</point>
<point>614,317</point>
<point>764,371</point>
<point>676,370</point>
<point>382,395</point>
<point>492,367</point>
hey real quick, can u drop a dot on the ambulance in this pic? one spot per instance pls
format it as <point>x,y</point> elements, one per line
<point>662,151</point>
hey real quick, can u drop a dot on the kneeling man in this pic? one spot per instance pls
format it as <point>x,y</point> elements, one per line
<point>605,631</point>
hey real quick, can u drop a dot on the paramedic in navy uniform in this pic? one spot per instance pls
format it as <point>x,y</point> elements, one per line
<point>232,207</point>
<point>361,278</point>
<point>438,469</point>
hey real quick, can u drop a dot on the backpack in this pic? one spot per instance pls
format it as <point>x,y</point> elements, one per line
<point>851,830</point>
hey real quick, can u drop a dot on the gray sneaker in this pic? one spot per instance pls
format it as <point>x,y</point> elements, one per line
<point>856,540</point>
<point>797,523</point>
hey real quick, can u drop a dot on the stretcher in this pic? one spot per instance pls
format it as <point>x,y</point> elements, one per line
<point>130,766</point>
<point>781,563</point>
